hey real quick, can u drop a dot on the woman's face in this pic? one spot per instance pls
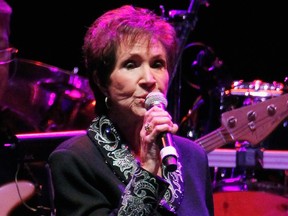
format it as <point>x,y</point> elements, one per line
<point>140,68</point>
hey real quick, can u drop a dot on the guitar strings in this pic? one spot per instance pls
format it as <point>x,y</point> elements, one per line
<point>213,140</point>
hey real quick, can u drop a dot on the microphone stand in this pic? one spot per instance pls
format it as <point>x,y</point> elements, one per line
<point>188,24</point>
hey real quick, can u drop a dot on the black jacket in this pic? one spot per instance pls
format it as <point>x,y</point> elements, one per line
<point>95,174</point>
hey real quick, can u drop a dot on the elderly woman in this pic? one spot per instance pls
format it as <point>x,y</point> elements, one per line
<point>116,169</point>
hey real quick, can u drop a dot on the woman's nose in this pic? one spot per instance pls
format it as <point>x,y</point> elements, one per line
<point>148,76</point>
<point>148,73</point>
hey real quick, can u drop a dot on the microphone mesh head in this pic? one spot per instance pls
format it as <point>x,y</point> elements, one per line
<point>155,99</point>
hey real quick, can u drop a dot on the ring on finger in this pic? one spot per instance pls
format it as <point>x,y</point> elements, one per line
<point>147,127</point>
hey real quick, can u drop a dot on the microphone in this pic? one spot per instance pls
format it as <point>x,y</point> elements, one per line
<point>165,141</point>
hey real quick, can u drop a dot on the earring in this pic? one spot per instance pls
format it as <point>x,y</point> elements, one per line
<point>107,103</point>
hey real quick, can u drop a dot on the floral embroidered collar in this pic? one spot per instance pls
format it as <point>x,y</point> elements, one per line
<point>118,156</point>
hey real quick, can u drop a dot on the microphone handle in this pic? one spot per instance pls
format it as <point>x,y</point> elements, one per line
<point>168,152</point>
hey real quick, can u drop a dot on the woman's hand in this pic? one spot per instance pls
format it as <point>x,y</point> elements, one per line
<point>156,121</point>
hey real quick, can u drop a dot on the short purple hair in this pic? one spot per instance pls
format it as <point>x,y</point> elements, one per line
<point>126,24</point>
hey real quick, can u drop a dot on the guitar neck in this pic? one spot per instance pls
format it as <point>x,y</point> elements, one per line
<point>251,123</point>
<point>214,139</point>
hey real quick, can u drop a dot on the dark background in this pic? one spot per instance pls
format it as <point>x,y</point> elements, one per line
<point>248,36</point>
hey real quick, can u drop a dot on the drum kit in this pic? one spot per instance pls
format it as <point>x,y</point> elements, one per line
<point>39,98</point>
<point>245,190</point>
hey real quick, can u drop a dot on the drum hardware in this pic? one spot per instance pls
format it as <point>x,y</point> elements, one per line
<point>248,157</point>
<point>272,159</point>
<point>240,177</point>
<point>257,88</point>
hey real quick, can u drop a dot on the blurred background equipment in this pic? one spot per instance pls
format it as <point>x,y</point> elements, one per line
<point>41,97</point>
<point>214,92</point>
<point>204,77</point>
<point>41,106</point>
<point>246,168</point>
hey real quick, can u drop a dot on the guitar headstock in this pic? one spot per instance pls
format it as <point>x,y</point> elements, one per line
<point>255,122</point>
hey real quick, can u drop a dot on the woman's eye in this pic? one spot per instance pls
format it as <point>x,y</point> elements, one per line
<point>130,65</point>
<point>158,64</point>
